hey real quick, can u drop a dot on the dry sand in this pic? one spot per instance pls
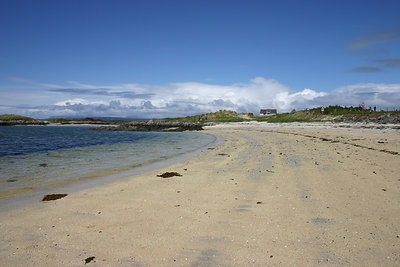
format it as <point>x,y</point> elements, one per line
<point>270,195</point>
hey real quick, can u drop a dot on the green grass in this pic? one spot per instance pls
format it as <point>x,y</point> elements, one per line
<point>330,113</point>
<point>339,110</point>
<point>220,116</point>
<point>12,117</point>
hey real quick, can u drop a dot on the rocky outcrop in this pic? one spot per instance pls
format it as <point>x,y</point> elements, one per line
<point>82,122</point>
<point>379,119</point>
<point>22,122</point>
<point>153,126</point>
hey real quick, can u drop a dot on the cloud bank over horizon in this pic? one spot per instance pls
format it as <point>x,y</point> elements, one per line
<point>182,99</point>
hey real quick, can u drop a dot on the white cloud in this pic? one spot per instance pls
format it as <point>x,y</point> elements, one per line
<point>373,94</point>
<point>189,98</point>
<point>301,99</point>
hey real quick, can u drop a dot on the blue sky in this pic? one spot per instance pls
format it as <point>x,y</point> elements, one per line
<point>174,58</point>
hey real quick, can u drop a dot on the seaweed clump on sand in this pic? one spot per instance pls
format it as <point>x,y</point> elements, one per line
<point>169,174</point>
<point>53,197</point>
<point>87,260</point>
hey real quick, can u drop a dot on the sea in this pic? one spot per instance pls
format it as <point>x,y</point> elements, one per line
<point>40,158</point>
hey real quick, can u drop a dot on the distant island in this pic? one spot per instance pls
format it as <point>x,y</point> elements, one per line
<point>11,120</point>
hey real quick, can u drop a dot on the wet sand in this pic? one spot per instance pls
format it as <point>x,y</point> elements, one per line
<point>270,195</point>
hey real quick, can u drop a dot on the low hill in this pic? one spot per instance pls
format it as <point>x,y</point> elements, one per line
<point>12,117</point>
<point>219,116</point>
<point>335,114</point>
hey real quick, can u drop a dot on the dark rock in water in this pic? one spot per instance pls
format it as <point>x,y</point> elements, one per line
<point>43,165</point>
<point>153,126</point>
<point>53,197</point>
<point>169,174</point>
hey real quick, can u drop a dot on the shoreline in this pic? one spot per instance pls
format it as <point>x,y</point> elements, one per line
<point>276,195</point>
<point>74,186</point>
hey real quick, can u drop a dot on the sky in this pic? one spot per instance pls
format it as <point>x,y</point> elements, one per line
<point>157,59</point>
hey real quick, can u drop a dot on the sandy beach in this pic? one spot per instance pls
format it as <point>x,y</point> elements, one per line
<point>270,195</point>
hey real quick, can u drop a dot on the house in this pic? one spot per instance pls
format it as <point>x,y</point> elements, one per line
<point>267,112</point>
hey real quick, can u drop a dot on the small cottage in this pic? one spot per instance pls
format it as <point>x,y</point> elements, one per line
<point>267,112</point>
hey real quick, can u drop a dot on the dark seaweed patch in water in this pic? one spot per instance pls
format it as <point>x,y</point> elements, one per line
<point>53,197</point>
<point>169,174</point>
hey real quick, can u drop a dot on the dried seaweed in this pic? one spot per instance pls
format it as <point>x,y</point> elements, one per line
<point>87,260</point>
<point>169,174</point>
<point>53,197</point>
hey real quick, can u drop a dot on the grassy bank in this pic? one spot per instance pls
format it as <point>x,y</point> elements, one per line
<point>219,117</point>
<point>12,117</point>
<point>330,113</point>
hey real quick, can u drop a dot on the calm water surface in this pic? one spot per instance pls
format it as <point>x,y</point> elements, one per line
<point>36,157</point>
